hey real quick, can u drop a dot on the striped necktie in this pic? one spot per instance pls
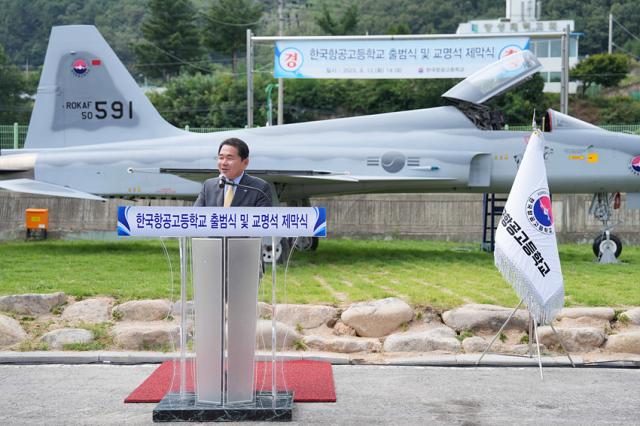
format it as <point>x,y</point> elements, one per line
<point>228,197</point>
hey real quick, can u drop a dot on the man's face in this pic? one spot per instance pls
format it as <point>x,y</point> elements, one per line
<point>229,162</point>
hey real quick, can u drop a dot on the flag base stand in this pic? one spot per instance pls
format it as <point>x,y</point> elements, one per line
<point>533,331</point>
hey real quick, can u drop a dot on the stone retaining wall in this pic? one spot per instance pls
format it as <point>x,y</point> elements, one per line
<point>54,321</point>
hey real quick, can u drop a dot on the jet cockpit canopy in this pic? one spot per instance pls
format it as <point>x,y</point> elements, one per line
<point>495,78</point>
<point>471,93</point>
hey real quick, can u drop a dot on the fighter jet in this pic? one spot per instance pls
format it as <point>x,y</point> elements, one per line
<point>94,134</point>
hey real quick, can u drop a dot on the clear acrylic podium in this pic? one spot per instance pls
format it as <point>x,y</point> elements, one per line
<point>223,264</point>
<point>225,275</point>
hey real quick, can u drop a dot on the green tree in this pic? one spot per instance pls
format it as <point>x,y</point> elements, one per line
<point>209,101</point>
<point>323,99</point>
<point>518,105</point>
<point>591,18</point>
<point>627,15</point>
<point>347,24</point>
<point>396,29</point>
<point>603,69</point>
<point>227,25</point>
<point>119,23</point>
<point>171,41</point>
<point>13,108</point>
<point>425,16</point>
<point>618,110</point>
<point>25,25</point>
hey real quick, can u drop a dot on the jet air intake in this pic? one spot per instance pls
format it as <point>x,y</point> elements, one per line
<point>17,166</point>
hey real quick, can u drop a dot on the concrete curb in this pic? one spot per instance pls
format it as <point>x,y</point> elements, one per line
<point>129,358</point>
<point>438,360</point>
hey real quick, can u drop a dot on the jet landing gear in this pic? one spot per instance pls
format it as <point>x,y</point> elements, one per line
<point>607,246</point>
<point>307,243</point>
<point>607,242</point>
<point>284,247</point>
<point>280,252</point>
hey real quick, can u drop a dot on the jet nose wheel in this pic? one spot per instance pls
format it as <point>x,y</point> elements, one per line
<point>307,243</point>
<point>613,245</point>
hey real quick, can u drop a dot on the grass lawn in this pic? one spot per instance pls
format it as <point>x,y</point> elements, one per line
<point>438,274</point>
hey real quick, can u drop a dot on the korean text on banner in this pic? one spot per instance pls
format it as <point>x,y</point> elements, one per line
<point>526,251</point>
<point>162,221</point>
<point>432,58</point>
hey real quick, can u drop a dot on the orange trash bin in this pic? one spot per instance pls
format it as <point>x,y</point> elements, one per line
<point>37,222</point>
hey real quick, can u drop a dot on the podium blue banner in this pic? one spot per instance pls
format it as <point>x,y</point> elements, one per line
<point>162,221</point>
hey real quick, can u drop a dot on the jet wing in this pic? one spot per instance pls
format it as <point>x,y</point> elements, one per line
<point>360,179</point>
<point>300,176</point>
<point>31,186</point>
<point>200,175</point>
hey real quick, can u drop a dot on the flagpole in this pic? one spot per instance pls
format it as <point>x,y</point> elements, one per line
<point>535,328</point>
<point>562,344</point>
<point>530,343</point>
<point>499,331</point>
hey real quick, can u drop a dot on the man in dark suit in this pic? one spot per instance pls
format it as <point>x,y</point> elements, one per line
<point>233,159</point>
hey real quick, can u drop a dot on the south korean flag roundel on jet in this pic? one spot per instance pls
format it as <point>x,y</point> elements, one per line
<point>526,251</point>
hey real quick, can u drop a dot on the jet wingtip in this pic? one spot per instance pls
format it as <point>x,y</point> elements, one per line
<point>30,186</point>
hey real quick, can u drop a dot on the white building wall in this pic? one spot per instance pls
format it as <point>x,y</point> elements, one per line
<point>521,10</point>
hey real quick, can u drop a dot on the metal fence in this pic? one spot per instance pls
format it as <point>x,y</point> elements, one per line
<point>208,129</point>
<point>12,136</point>
<point>622,128</point>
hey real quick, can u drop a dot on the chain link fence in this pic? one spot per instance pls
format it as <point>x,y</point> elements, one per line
<point>12,136</point>
<point>621,128</point>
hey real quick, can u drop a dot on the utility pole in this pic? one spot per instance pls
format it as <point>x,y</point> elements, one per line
<point>564,75</point>
<point>280,80</point>
<point>249,80</point>
<point>610,34</point>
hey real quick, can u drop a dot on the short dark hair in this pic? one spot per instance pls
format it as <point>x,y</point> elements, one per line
<point>239,144</point>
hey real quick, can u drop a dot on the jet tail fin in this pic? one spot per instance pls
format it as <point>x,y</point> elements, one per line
<point>86,95</point>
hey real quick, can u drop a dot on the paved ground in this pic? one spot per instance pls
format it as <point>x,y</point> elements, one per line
<point>384,395</point>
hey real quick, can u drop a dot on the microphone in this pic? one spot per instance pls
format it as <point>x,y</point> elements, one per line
<point>224,181</point>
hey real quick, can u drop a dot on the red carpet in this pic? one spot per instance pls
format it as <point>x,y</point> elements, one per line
<point>311,381</point>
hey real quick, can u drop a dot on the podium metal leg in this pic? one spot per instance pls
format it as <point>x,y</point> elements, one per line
<point>208,278</point>
<point>184,255</point>
<point>274,392</point>
<point>241,291</point>
<point>226,293</point>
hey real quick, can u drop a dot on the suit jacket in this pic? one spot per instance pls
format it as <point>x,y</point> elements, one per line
<point>212,195</point>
